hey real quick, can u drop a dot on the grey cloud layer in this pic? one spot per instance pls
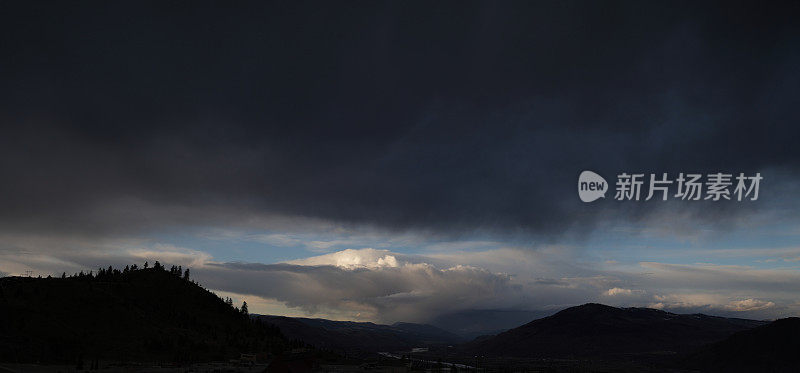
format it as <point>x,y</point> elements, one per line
<point>447,118</point>
<point>367,284</point>
<point>409,292</point>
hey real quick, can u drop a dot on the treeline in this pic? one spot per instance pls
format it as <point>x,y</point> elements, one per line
<point>112,273</point>
<point>135,313</point>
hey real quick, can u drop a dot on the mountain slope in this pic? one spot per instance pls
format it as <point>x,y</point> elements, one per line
<point>595,330</point>
<point>137,315</point>
<point>768,348</point>
<point>475,323</point>
<point>360,336</point>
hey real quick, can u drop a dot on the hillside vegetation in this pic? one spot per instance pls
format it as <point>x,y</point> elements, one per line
<point>148,314</point>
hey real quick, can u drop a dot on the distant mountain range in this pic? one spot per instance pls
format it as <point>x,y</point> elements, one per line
<point>628,339</point>
<point>595,330</point>
<point>361,336</point>
<point>470,324</point>
<point>158,315</point>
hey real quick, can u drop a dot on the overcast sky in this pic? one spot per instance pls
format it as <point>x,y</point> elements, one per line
<point>396,161</point>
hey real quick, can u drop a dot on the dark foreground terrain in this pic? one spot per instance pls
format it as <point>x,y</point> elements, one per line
<point>587,338</point>
<point>130,315</point>
<point>769,348</point>
<point>156,319</point>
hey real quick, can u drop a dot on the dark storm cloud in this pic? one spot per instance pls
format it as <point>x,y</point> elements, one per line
<point>443,116</point>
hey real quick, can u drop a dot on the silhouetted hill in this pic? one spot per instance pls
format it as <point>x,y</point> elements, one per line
<point>595,330</point>
<point>131,315</point>
<point>769,348</point>
<point>360,336</point>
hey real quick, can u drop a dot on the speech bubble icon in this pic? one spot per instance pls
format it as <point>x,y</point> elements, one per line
<point>591,186</point>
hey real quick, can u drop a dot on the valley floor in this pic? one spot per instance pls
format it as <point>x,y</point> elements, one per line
<point>219,367</point>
